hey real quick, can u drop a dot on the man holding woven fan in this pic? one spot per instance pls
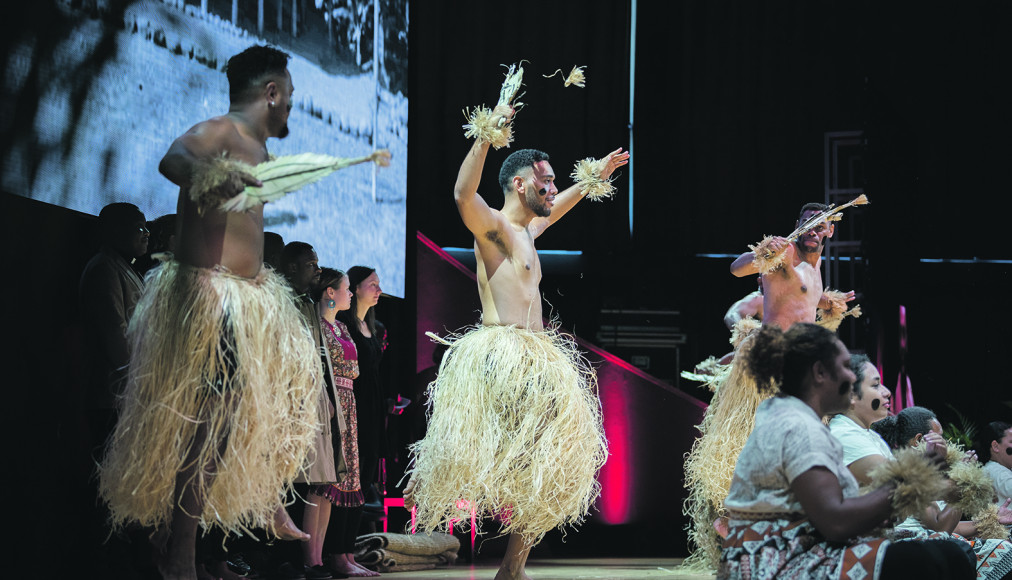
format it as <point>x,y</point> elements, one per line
<point>221,402</point>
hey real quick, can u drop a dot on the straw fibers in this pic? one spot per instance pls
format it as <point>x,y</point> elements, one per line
<point>514,431</point>
<point>484,127</point>
<point>224,365</point>
<point>709,466</point>
<point>988,525</point>
<point>587,174</point>
<point>918,483</point>
<point>830,318</point>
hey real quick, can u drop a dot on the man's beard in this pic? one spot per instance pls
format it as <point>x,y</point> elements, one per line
<point>816,250</point>
<point>538,205</point>
<point>283,132</point>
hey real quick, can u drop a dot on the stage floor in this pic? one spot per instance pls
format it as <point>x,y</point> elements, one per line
<point>551,569</point>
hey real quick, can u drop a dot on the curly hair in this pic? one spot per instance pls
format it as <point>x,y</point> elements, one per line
<point>517,161</point>
<point>251,67</point>
<point>784,358</point>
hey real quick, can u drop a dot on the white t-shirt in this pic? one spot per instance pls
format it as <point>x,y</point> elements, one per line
<point>857,441</point>
<point>788,440</point>
<point>1002,478</point>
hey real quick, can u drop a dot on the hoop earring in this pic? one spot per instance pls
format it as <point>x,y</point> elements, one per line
<point>331,303</point>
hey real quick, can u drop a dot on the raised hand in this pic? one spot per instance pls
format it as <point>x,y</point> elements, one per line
<point>613,161</point>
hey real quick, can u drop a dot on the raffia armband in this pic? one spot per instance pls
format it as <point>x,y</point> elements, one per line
<point>587,175</point>
<point>482,126</point>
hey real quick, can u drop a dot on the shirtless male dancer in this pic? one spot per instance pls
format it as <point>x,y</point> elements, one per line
<point>220,406</point>
<point>515,426</point>
<point>793,293</point>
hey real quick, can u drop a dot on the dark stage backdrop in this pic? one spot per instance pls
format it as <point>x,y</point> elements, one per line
<point>733,101</point>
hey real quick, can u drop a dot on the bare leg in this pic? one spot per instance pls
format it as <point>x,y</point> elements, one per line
<point>176,553</point>
<point>315,519</point>
<point>515,560</point>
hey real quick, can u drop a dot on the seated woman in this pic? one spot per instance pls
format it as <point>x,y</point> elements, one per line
<point>994,555</point>
<point>795,510</point>
<point>863,448</point>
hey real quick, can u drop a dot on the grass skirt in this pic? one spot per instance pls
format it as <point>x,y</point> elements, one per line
<point>230,356</point>
<point>709,466</point>
<point>514,430</point>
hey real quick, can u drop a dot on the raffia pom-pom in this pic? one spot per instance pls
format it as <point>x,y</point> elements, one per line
<point>482,126</point>
<point>975,486</point>
<point>587,175</point>
<point>576,77</point>
<point>765,259</point>
<point>917,482</point>
<point>209,177</point>
<point>988,525</point>
<point>743,328</point>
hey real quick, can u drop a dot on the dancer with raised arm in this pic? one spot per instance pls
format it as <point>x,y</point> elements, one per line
<point>514,419</point>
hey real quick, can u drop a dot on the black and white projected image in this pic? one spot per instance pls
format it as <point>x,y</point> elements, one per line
<point>103,93</point>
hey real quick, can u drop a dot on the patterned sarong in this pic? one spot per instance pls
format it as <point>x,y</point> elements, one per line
<point>786,549</point>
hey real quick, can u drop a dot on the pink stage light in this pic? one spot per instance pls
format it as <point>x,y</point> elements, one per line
<point>616,480</point>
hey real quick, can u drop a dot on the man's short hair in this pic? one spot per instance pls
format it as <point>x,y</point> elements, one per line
<point>115,217</point>
<point>252,67</point>
<point>292,252</point>
<point>517,161</point>
<point>812,206</point>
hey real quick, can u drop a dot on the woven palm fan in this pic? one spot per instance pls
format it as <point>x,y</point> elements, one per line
<point>480,124</point>
<point>766,261</point>
<point>283,175</point>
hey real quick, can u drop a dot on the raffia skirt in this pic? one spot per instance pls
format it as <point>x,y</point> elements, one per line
<point>222,384</point>
<point>514,431</point>
<point>709,466</point>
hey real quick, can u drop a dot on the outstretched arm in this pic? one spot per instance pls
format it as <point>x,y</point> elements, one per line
<point>477,215</point>
<point>572,195</point>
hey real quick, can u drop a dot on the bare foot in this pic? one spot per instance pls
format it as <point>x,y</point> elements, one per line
<point>345,564</point>
<point>285,528</point>
<point>504,574</point>
<point>720,524</point>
